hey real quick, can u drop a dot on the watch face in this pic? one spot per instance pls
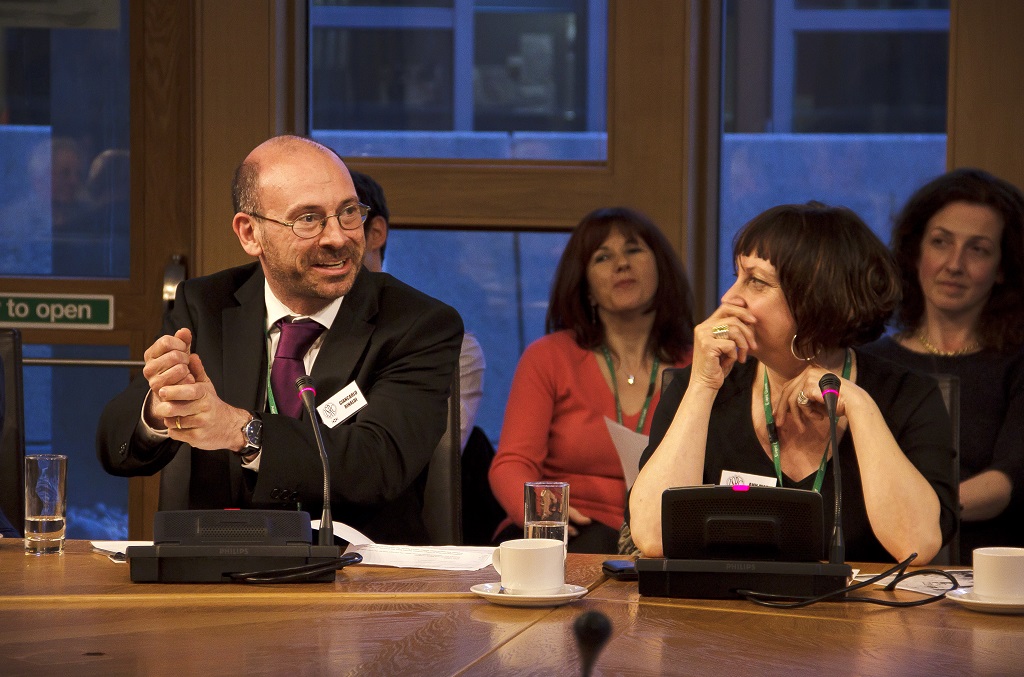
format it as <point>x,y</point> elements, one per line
<point>253,433</point>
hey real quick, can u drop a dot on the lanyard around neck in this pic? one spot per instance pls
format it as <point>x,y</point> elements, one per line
<point>773,434</point>
<point>271,403</point>
<point>615,389</point>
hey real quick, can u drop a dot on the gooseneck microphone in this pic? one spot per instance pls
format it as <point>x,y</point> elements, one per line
<point>307,393</point>
<point>829,385</point>
<point>592,629</point>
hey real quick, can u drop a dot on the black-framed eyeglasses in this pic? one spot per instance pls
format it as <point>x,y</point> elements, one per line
<point>310,225</point>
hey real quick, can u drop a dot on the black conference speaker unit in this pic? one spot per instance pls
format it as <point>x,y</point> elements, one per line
<point>208,546</point>
<point>721,539</point>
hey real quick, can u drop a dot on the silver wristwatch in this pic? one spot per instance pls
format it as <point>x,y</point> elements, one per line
<point>253,434</point>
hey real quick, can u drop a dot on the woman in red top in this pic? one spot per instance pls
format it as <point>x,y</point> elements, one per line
<point>620,314</point>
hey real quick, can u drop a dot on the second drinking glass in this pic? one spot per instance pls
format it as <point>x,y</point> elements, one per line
<point>547,510</point>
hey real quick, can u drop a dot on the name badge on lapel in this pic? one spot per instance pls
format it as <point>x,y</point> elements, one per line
<point>735,477</point>
<point>345,402</point>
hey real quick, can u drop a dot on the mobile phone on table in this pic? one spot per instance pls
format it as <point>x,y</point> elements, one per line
<point>620,569</point>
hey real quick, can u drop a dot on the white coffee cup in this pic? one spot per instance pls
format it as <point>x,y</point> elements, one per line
<point>999,574</point>
<point>531,566</point>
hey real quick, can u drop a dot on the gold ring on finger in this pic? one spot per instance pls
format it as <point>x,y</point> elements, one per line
<point>177,422</point>
<point>720,331</point>
<point>802,399</point>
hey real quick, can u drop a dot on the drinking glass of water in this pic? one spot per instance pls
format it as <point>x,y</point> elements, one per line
<point>547,510</point>
<point>45,503</point>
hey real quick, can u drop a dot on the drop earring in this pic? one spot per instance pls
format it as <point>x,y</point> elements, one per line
<point>792,349</point>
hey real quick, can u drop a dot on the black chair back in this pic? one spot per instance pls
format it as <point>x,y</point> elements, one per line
<point>442,496</point>
<point>481,512</point>
<point>12,441</point>
<point>669,375</point>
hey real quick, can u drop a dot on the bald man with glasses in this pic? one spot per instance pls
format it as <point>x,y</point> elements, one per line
<point>216,409</point>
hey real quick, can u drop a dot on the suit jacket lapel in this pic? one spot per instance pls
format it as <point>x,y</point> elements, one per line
<point>346,341</point>
<point>243,351</point>
<point>243,383</point>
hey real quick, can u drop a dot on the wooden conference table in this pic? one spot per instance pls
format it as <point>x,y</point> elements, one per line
<point>79,614</point>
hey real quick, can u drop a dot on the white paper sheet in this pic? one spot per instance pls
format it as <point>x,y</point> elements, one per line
<point>344,532</point>
<point>444,558</point>
<point>927,584</point>
<point>630,445</point>
<point>114,550</point>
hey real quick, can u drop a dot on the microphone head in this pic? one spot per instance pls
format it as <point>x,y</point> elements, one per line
<point>592,629</point>
<point>829,382</point>
<point>305,382</point>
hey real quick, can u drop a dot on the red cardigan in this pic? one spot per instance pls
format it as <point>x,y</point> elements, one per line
<point>554,429</point>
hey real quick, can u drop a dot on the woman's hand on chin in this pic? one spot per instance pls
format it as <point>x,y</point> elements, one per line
<point>720,341</point>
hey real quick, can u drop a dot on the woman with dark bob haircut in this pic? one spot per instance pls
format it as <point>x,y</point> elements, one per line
<point>619,315</point>
<point>813,283</point>
<point>959,244</point>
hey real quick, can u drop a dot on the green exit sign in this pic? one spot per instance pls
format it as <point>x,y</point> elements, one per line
<point>56,311</point>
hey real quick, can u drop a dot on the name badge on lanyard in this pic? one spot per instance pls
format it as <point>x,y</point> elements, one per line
<point>733,477</point>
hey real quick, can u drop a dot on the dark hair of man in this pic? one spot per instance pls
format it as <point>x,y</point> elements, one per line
<point>1001,325</point>
<point>569,307</point>
<point>245,184</point>
<point>838,278</point>
<point>244,193</point>
<point>371,194</point>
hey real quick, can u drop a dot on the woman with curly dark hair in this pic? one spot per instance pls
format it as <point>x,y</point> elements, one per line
<point>959,245</point>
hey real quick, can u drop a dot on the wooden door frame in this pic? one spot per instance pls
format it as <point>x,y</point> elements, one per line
<point>986,70</point>
<point>209,80</point>
<point>162,73</point>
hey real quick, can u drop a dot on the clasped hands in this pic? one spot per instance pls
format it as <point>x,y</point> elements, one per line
<point>184,400</point>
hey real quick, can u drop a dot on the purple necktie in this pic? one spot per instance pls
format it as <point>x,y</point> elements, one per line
<point>296,338</point>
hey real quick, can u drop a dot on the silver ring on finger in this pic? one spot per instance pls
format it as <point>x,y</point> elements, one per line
<point>802,399</point>
<point>720,331</point>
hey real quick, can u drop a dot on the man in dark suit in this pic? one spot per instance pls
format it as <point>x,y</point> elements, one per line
<point>210,415</point>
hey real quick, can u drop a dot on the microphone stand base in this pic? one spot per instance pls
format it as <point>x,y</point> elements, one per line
<point>216,563</point>
<point>207,546</point>
<point>720,579</point>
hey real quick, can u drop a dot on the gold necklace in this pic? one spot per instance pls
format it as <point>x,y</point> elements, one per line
<point>922,337</point>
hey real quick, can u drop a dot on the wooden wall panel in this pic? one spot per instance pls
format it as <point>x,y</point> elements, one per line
<point>162,57</point>
<point>236,107</point>
<point>986,87</point>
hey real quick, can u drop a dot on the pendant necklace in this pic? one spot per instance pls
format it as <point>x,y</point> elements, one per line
<point>615,389</point>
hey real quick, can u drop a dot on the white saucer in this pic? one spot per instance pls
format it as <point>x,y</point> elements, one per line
<point>966,597</point>
<point>490,592</point>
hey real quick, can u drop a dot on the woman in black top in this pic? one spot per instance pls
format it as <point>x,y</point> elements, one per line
<point>812,283</point>
<point>959,245</point>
